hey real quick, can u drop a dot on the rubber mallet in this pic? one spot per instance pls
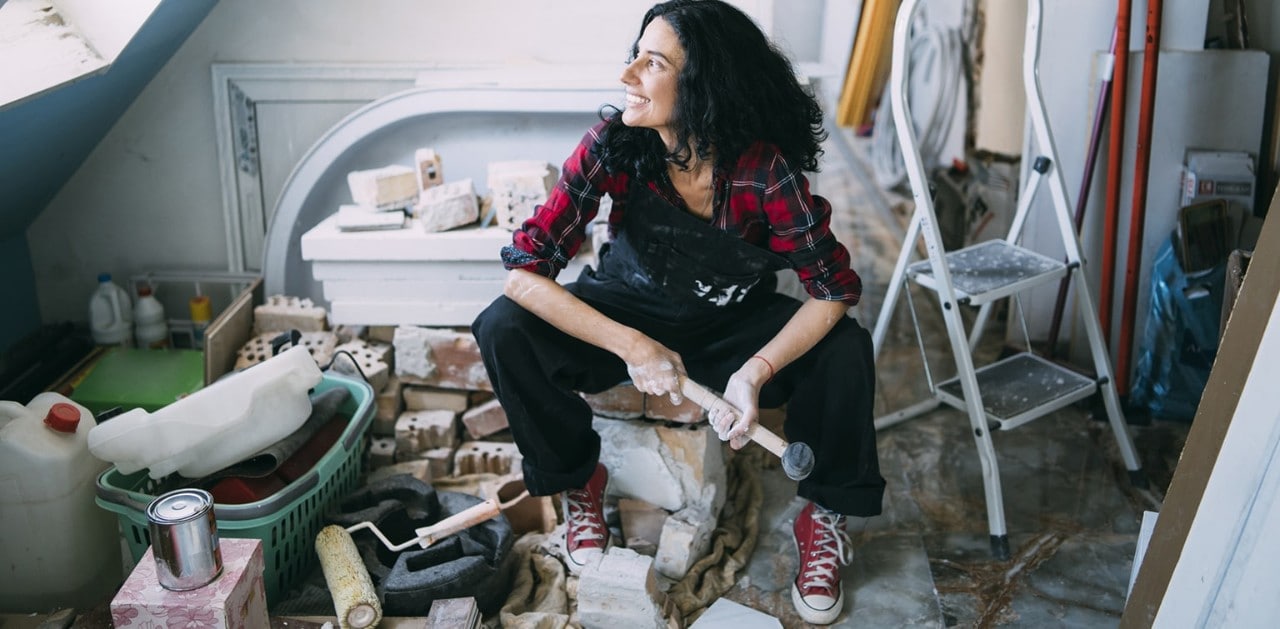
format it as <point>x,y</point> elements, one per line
<point>797,458</point>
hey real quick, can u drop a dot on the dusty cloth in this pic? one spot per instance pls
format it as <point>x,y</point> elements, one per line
<point>540,597</point>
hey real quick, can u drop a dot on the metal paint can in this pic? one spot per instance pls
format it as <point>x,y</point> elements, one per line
<point>184,539</point>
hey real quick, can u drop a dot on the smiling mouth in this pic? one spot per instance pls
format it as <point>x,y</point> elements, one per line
<point>636,101</point>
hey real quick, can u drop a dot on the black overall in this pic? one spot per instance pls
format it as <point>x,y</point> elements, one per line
<point>711,298</point>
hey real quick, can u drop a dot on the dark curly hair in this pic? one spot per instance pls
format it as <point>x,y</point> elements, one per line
<point>736,88</point>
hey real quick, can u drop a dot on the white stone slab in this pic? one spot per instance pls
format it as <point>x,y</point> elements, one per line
<point>326,242</point>
<point>411,290</point>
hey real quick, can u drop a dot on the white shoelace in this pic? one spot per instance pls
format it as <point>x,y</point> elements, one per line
<point>583,521</point>
<point>832,549</point>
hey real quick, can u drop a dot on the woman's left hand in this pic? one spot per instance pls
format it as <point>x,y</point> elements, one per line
<point>743,392</point>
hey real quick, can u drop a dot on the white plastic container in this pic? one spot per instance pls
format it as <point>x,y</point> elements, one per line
<point>151,329</point>
<point>57,547</point>
<point>216,426</point>
<point>110,313</point>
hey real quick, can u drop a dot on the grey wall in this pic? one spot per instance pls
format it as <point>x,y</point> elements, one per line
<point>43,141</point>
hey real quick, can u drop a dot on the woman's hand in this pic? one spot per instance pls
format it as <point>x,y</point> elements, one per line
<point>654,369</point>
<point>743,392</point>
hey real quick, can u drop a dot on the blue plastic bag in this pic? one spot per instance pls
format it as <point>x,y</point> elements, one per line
<point>1180,339</point>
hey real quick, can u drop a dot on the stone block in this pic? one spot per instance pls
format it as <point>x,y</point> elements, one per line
<point>476,457</point>
<point>280,313</point>
<point>641,525</point>
<point>660,407</point>
<point>419,431</point>
<point>381,333</point>
<point>621,402</point>
<point>237,598</point>
<point>439,357</point>
<point>484,420</point>
<point>431,399</point>
<point>621,591</point>
<point>389,187</point>
<point>453,613</point>
<point>447,206</point>
<point>685,538</point>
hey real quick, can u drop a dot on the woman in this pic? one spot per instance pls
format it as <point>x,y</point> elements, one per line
<point>704,166</point>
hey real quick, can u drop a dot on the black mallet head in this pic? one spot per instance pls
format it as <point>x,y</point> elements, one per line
<point>797,460</point>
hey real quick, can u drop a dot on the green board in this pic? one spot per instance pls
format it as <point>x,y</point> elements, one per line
<point>132,378</point>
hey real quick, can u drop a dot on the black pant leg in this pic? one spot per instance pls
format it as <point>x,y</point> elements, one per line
<point>537,371</point>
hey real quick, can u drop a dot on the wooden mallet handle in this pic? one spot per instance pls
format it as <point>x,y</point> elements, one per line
<point>711,402</point>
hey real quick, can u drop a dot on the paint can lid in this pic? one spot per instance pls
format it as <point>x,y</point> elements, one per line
<point>180,506</point>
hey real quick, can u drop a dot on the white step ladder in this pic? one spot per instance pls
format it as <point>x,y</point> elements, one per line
<point>1023,387</point>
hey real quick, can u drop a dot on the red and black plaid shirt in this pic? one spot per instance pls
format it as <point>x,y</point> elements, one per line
<point>768,206</point>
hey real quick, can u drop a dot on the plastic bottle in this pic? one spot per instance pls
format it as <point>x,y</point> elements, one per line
<point>59,549</point>
<point>150,326</point>
<point>110,313</point>
<point>216,426</point>
<point>201,314</point>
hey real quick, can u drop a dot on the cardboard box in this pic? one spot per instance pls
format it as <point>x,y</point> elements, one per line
<point>235,599</point>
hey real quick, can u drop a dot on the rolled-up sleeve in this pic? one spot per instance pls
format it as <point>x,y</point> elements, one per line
<point>546,242</point>
<point>800,230</point>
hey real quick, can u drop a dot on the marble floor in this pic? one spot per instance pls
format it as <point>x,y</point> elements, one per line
<point>1072,515</point>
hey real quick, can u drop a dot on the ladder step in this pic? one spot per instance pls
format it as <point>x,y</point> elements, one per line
<point>1019,389</point>
<point>991,270</point>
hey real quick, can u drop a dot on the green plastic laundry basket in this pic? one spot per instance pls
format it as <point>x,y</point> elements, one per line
<point>288,521</point>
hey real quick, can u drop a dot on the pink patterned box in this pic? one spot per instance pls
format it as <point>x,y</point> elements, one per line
<point>235,600</point>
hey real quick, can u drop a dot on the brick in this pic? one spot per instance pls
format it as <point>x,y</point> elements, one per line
<point>282,312</point>
<point>484,420</point>
<point>476,457</point>
<point>439,357</point>
<point>359,358</point>
<point>683,542</point>
<point>419,431</point>
<point>660,407</point>
<point>445,207</point>
<point>440,461</point>
<point>389,187</point>
<point>431,399</point>
<point>429,168</point>
<point>388,405</point>
<point>621,591</point>
<point>258,349</point>
<point>517,188</point>
<point>417,468</point>
<point>381,333</point>
<point>531,514</point>
<point>621,402</point>
<point>382,452</point>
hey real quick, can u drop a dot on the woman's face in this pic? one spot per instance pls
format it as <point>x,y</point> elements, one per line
<point>650,80</point>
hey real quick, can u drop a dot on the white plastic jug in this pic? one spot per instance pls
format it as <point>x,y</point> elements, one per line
<point>216,426</point>
<point>150,325</point>
<point>57,548</point>
<point>110,313</point>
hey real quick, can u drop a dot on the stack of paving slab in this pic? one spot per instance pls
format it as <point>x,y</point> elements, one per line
<point>411,276</point>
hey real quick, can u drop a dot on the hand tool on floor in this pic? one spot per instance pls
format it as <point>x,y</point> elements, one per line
<point>797,458</point>
<point>425,536</point>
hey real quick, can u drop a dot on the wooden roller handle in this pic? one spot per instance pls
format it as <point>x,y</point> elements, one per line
<point>709,401</point>
<point>461,520</point>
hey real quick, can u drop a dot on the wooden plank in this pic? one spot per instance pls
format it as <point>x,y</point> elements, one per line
<point>229,331</point>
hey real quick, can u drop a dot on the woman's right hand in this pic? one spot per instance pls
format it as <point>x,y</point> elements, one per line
<point>654,369</point>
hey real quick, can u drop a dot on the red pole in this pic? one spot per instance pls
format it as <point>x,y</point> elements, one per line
<point>1150,58</point>
<point>1115,162</point>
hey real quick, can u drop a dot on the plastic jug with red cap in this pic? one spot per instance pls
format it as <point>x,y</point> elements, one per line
<point>57,547</point>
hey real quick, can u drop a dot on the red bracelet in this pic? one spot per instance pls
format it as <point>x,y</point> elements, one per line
<point>766,362</point>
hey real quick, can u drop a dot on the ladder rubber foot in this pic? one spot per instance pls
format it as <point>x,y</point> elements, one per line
<point>1000,547</point>
<point>1138,479</point>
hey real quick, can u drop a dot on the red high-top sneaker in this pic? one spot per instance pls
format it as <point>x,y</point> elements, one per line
<point>586,536</point>
<point>824,547</point>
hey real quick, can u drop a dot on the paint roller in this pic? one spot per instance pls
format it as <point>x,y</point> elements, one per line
<point>797,458</point>
<point>354,598</point>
